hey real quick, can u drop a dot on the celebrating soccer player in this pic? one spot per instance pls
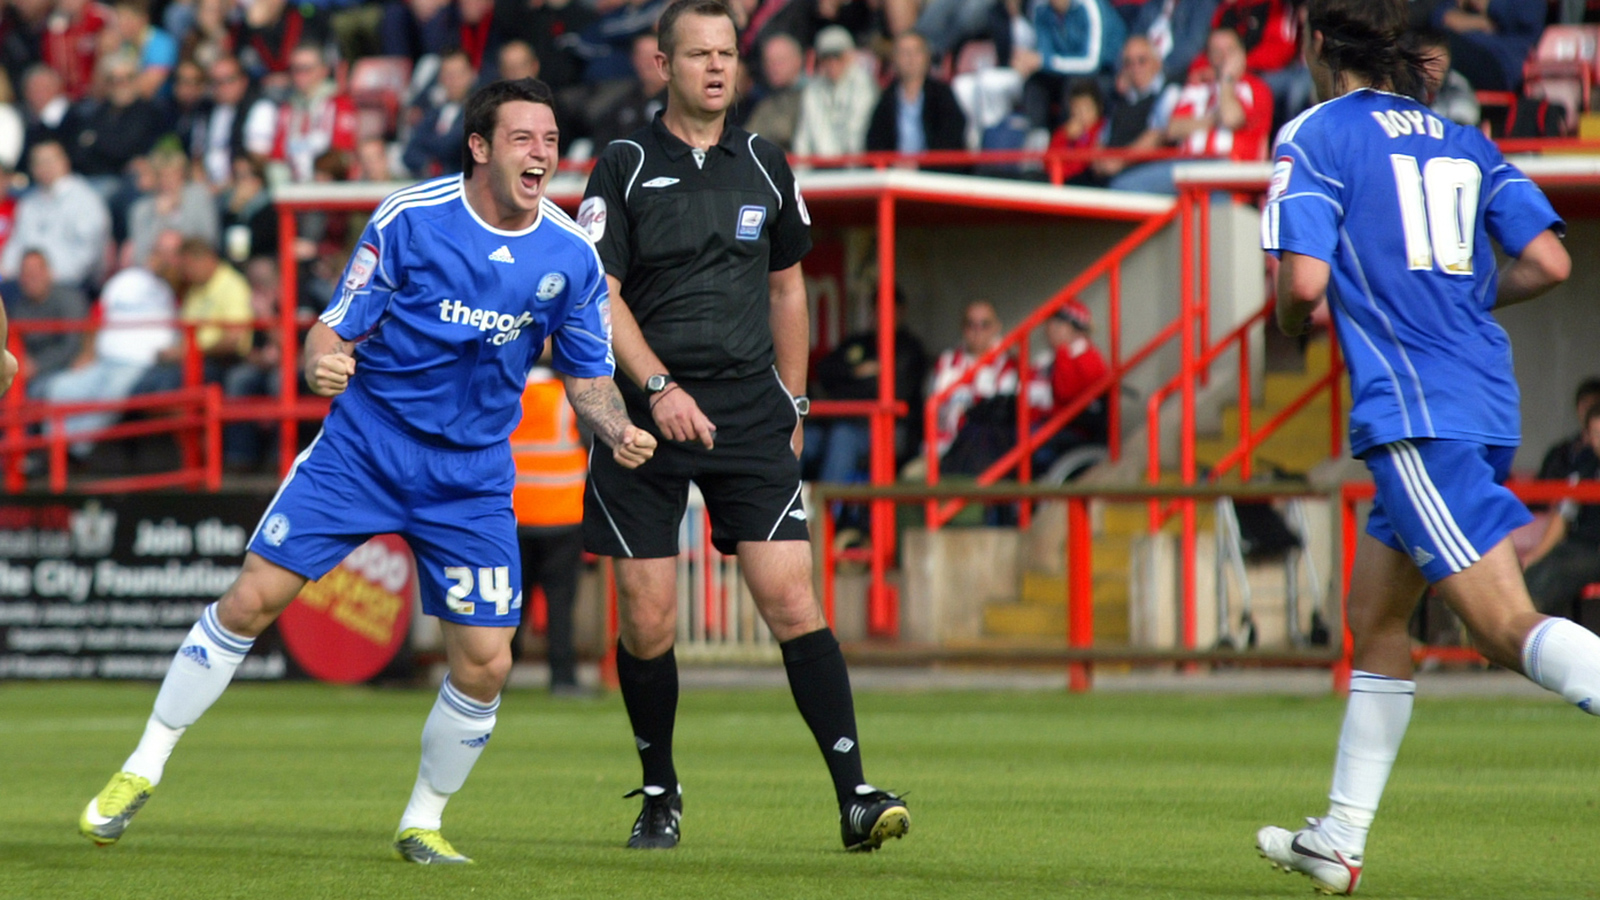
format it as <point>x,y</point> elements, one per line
<point>1386,210</point>
<point>702,229</point>
<point>445,306</point>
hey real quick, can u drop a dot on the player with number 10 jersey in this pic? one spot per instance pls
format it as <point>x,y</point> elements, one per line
<point>1401,203</point>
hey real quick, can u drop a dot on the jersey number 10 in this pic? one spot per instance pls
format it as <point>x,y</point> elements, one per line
<point>1438,210</point>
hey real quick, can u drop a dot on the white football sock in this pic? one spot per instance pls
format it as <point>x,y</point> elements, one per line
<point>1375,722</point>
<point>1562,656</point>
<point>200,672</point>
<point>452,740</point>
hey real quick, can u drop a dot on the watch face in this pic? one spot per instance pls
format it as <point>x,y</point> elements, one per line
<point>655,383</point>
<point>802,405</point>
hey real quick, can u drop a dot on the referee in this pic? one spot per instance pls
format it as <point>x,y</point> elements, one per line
<point>701,229</point>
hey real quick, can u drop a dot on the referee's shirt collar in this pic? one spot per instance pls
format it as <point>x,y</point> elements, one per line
<point>677,150</point>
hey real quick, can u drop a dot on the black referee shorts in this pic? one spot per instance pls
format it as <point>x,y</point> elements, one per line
<point>750,480</point>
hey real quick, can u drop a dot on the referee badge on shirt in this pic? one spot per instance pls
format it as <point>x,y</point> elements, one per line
<point>551,285</point>
<point>750,219</point>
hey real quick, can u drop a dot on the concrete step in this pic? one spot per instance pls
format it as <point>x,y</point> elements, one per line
<point>1108,587</point>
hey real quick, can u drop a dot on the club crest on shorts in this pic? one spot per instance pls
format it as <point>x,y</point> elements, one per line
<point>750,219</point>
<point>275,529</point>
<point>362,265</point>
<point>551,285</point>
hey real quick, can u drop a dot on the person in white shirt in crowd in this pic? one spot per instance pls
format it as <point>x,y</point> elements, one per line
<point>62,216</point>
<point>836,104</point>
<point>137,316</point>
<point>240,121</point>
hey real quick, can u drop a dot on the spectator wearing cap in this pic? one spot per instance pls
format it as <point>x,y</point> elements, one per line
<point>836,104</point>
<point>1064,373</point>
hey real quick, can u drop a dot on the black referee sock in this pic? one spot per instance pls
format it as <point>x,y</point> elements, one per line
<point>650,691</point>
<point>821,686</point>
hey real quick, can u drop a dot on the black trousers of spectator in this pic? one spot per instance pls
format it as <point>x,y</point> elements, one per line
<point>550,559</point>
<point>1556,580</point>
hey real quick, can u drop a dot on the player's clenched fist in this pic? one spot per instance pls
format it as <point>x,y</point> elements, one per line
<point>331,375</point>
<point>636,446</point>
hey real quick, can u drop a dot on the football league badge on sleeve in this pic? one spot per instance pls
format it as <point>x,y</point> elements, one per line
<point>362,265</point>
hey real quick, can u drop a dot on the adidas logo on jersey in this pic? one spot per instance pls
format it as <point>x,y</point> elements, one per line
<point>505,326</point>
<point>502,255</point>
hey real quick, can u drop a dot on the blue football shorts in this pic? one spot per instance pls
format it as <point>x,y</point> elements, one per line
<point>1442,502</point>
<point>361,477</point>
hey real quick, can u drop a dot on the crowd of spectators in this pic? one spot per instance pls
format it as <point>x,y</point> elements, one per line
<point>143,121</point>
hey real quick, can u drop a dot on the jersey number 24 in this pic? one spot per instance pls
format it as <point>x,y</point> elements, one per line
<point>1438,210</point>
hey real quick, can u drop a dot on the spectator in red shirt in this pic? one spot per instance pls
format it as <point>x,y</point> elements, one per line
<point>1085,128</point>
<point>1066,372</point>
<point>72,42</point>
<point>1225,112</point>
<point>315,119</point>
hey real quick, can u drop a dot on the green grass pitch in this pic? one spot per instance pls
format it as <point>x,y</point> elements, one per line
<point>293,791</point>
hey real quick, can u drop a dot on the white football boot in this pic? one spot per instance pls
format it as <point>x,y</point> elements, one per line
<point>1331,871</point>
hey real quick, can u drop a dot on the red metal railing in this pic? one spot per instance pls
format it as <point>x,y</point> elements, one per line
<point>1018,340</point>
<point>17,413</point>
<point>190,414</point>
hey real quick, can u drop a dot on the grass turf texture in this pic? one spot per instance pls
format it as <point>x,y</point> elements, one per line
<point>293,791</point>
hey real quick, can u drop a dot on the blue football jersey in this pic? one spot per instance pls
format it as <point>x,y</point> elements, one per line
<point>1401,203</point>
<point>451,313</point>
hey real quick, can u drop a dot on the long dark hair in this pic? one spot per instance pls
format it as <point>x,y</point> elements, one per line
<point>483,111</point>
<point>1368,38</point>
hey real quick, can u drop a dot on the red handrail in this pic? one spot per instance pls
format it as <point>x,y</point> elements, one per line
<point>1020,457</point>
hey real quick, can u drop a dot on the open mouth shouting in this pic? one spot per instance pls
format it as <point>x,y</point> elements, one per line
<point>533,178</point>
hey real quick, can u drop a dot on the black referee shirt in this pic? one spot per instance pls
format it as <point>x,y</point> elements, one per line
<point>693,246</point>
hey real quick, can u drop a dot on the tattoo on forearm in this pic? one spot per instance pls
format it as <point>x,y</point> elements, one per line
<point>598,403</point>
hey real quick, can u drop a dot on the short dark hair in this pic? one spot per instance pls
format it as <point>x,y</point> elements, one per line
<point>1368,37</point>
<point>483,111</point>
<point>1587,388</point>
<point>1087,87</point>
<point>666,26</point>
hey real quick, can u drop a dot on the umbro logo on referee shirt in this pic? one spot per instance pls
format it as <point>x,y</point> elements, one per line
<point>663,181</point>
<point>502,255</point>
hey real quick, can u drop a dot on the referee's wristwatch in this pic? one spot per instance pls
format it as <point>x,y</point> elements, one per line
<point>802,405</point>
<point>655,384</point>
